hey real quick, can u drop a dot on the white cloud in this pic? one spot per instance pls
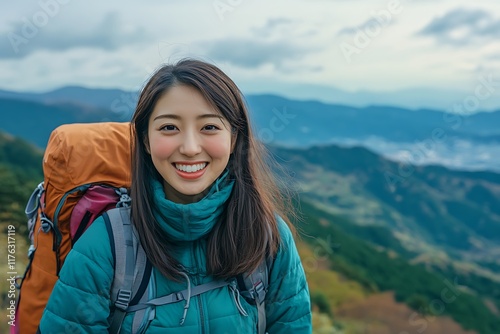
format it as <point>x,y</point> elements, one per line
<point>463,26</point>
<point>109,34</point>
<point>116,43</point>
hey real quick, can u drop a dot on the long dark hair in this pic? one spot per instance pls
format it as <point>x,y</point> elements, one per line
<point>248,229</point>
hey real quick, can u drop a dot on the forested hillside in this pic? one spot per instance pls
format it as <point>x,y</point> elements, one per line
<point>20,172</point>
<point>425,206</point>
<point>376,270</point>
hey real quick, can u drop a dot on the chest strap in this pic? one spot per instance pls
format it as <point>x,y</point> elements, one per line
<point>180,296</point>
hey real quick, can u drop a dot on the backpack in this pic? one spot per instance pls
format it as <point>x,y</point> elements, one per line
<point>86,174</point>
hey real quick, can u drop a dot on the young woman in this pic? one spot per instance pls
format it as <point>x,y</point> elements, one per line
<point>205,209</point>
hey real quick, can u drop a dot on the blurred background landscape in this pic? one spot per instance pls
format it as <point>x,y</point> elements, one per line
<point>385,116</point>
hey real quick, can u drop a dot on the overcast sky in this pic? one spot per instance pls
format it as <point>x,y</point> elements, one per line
<point>263,45</point>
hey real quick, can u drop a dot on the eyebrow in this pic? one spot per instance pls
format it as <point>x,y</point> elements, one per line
<point>172,116</point>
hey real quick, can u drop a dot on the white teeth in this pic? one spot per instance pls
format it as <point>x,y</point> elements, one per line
<point>190,168</point>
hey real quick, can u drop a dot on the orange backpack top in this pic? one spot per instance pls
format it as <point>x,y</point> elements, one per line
<point>77,157</point>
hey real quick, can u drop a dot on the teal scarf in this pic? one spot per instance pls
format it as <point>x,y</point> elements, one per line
<point>188,222</point>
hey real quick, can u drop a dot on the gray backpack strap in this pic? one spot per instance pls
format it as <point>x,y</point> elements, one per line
<point>141,269</point>
<point>121,289</point>
<point>254,287</point>
<point>130,267</point>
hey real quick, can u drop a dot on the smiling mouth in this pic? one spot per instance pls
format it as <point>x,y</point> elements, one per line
<point>190,168</point>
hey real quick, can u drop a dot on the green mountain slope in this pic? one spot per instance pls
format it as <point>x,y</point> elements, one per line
<point>428,208</point>
<point>428,293</point>
<point>20,172</point>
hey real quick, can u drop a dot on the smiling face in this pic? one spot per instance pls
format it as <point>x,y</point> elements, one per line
<point>189,142</point>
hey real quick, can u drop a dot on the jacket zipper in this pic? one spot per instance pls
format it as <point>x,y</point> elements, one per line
<point>200,304</point>
<point>202,317</point>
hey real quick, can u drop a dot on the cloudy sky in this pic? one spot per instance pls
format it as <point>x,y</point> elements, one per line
<point>265,46</point>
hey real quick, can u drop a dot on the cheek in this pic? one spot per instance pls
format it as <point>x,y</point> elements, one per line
<point>217,148</point>
<point>161,148</point>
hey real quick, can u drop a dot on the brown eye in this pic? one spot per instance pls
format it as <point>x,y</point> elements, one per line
<point>169,127</point>
<point>210,127</point>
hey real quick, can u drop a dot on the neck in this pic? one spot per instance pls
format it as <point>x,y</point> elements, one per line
<point>173,195</point>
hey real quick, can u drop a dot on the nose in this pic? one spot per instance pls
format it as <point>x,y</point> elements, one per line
<point>191,145</point>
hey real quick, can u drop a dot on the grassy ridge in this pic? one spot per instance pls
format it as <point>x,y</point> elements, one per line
<point>426,292</point>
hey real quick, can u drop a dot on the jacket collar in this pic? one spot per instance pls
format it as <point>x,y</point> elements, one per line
<point>188,222</point>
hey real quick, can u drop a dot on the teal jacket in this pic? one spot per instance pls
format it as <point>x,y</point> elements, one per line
<point>80,301</point>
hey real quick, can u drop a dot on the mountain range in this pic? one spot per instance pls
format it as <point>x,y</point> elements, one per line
<point>405,98</point>
<point>417,137</point>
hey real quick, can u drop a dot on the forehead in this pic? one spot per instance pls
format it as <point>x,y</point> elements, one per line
<point>183,101</point>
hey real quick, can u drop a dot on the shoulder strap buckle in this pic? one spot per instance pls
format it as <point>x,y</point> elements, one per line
<point>259,292</point>
<point>123,299</point>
